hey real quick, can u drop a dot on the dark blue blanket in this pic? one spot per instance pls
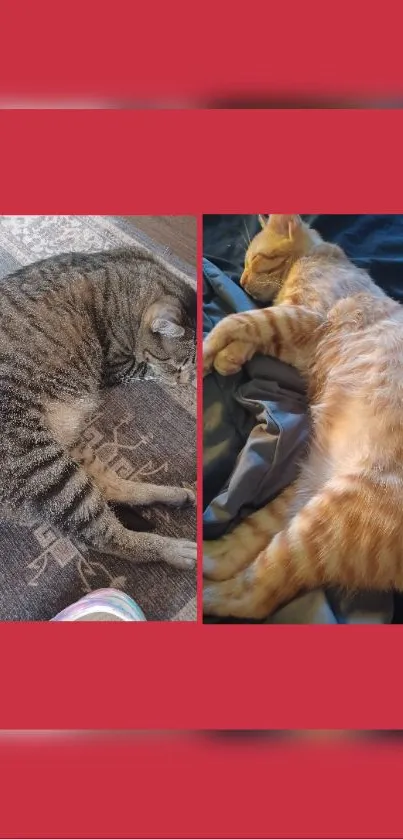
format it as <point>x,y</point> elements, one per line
<point>255,423</point>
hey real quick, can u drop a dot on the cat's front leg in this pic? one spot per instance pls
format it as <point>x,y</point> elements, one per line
<point>121,491</point>
<point>145,494</point>
<point>285,332</point>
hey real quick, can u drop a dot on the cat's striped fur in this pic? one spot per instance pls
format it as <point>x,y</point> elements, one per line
<point>68,326</point>
<point>340,524</point>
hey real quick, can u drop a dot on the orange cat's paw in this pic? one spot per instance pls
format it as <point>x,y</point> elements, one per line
<point>234,598</point>
<point>215,598</point>
<point>209,353</point>
<point>215,566</point>
<point>229,360</point>
<point>228,346</point>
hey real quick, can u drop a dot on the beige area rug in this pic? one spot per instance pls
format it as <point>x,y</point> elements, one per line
<point>141,430</point>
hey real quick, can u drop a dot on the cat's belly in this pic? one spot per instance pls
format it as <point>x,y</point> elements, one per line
<point>315,472</point>
<point>353,435</point>
<point>66,419</point>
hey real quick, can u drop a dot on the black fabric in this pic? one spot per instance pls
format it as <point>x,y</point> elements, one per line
<point>374,242</point>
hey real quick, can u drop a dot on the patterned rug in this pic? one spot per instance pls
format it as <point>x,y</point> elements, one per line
<point>42,572</point>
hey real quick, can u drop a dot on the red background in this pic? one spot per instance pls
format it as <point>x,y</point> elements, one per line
<point>198,49</point>
<point>190,676</point>
<point>162,162</point>
<point>185,676</point>
<point>199,787</point>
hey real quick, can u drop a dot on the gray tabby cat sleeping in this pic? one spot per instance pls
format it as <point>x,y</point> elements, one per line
<point>69,325</point>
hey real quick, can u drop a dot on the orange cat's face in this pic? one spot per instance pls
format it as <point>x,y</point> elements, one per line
<point>271,253</point>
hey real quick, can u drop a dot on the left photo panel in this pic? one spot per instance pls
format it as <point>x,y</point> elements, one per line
<point>98,418</point>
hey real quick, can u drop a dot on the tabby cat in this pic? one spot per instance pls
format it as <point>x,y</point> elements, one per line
<point>68,326</point>
<point>340,524</point>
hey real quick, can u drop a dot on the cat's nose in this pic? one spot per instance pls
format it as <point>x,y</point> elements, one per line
<point>243,279</point>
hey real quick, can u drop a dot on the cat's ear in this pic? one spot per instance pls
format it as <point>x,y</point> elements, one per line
<point>167,328</point>
<point>164,318</point>
<point>263,221</point>
<point>285,226</point>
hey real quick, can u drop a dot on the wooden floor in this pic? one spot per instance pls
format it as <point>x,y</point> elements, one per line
<point>179,233</point>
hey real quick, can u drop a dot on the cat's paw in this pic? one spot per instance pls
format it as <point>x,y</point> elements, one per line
<point>217,597</point>
<point>229,344</point>
<point>180,553</point>
<point>174,496</point>
<point>218,339</point>
<point>216,566</point>
<point>235,598</point>
<point>230,360</point>
<point>208,358</point>
<point>180,497</point>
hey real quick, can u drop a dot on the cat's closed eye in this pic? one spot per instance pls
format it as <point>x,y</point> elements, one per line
<point>263,263</point>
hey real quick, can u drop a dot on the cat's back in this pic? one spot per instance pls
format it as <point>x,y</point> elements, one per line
<point>127,270</point>
<point>40,301</point>
<point>49,343</point>
<point>61,271</point>
<point>57,284</point>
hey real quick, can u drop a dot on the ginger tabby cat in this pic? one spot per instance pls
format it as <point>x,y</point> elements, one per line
<point>340,523</point>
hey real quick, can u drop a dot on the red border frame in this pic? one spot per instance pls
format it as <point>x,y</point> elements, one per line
<point>199,786</point>
<point>201,161</point>
<point>194,676</point>
<point>211,676</point>
<point>199,414</point>
<point>176,676</point>
<point>198,51</point>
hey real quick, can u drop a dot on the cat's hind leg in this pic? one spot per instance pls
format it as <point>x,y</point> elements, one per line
<point>348,535</point>
<point>121,491</point>
<point>43,480</point>
<point>225,557</point>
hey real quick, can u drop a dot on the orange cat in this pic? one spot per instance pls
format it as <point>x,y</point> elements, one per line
<point>340,524</point>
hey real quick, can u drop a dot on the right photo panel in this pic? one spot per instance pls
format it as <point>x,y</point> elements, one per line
<point>302,388</point>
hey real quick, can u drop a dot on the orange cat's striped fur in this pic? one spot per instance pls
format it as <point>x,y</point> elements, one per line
<point>340,524</point>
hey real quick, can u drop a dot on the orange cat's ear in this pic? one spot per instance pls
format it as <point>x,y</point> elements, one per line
<point>285,226</point>
<point>293,225</point>
<point>263,221</point>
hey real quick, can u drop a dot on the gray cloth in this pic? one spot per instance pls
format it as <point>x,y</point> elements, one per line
<point>265,453</point>
<point>255,423</point>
